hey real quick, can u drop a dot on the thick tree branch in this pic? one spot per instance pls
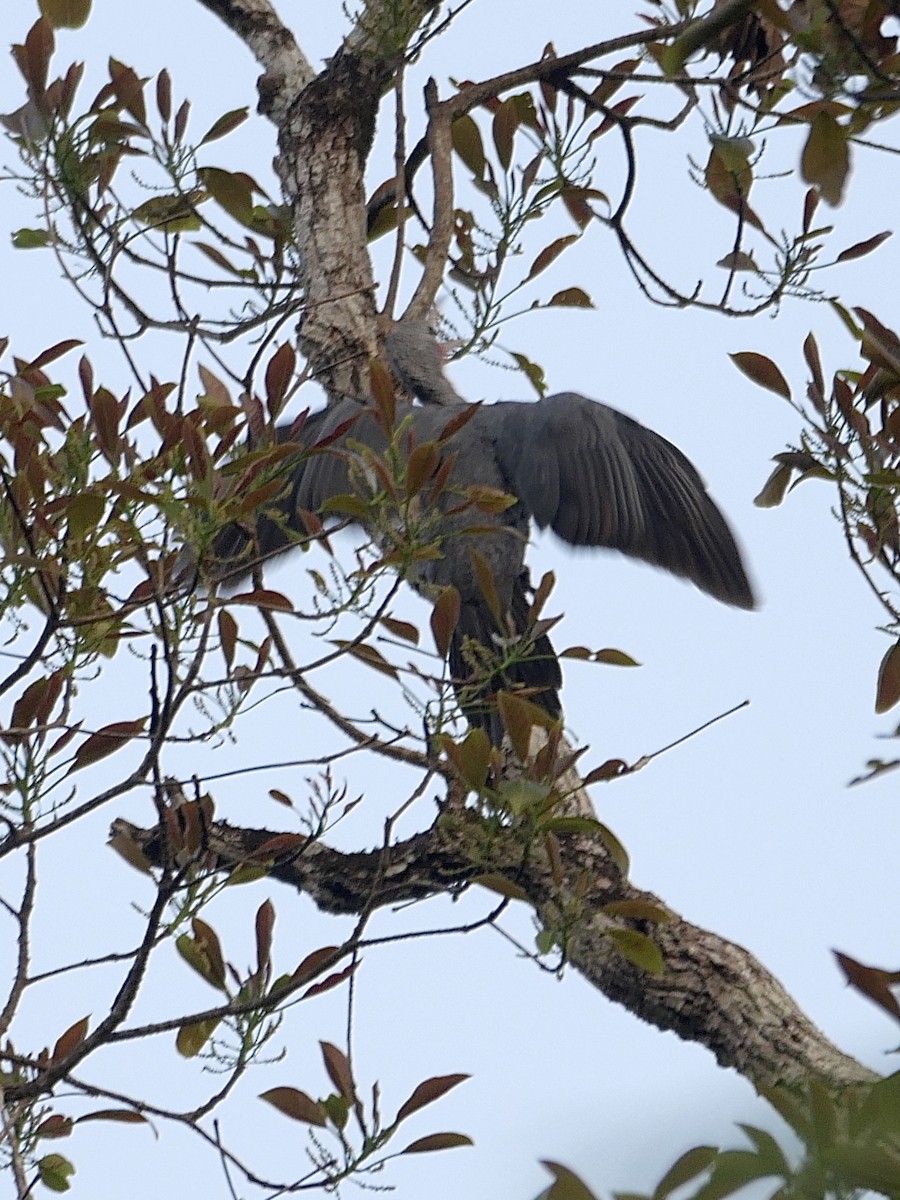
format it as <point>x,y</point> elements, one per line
<point>712,991</point>
<point>287,70</point>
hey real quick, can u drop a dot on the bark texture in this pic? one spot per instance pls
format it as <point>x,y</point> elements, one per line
<point>711,991</point>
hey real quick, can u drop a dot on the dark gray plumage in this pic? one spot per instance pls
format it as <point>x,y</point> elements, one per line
<point>590,473</point>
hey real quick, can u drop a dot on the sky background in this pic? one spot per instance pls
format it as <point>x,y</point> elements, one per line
<point>748,829</point>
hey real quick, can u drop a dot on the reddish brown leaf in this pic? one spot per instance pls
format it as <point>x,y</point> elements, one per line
<point>445,618</point>
<point>421,465</point>
<point>263,598</point>
<point>611,769</point>
<point>437,1141</point>
<point>55,1126</point>
<point>228,631</point>
<point>279,845</point>
<point>367,654</point>
<point>164,94</point>
<point>337,1064</point>
<point>295,1104</point>
<point>506,121</point>
<point>811,354</point>
<point>426,1093</point>
<point>70,1040</point>
<point>124,1116</point>
<point>332,981</point>
<point>887,692</point>
<point>541,595</point>
<point>572,297</point>
<point>860,248</point>
<point>382,391</point>
<point>485,577</point>
<point>34,59</point>
<point>456,423</point>
<point>265,922</point>
<point>871,981</point>
<point>614,658</point>
<point>401,629</point>
<point>279,374</point>
<point>762,371</point>
<point>53,352</point>
<point>315,963</point>
<point>106,741</point>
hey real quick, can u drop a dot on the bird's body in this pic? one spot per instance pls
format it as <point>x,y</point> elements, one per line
<point>592,474</point>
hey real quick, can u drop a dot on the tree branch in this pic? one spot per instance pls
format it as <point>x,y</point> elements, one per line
<point>287,70</point>
<point>712,991</point>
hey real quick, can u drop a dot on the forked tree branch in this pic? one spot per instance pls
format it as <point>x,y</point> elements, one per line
<point>711,991</point>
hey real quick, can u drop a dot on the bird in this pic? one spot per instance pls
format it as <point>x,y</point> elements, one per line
<point>589,472</point>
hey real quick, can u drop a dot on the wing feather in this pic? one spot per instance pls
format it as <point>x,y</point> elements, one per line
<point>599,478</point>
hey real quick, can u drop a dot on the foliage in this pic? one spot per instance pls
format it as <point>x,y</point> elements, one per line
<point>850,1145</point>
<point>850,438</point>
<point>104,487</point>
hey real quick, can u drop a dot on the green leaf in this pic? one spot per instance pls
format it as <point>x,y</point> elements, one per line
<point>66,14</point>
<point>467,143</point>
<point>83,513</point>
<point>691,1164</point>
<point>225,124</point>
<point>232,190</point>
<point>475,758</point>
<point>533,372</point>
<point>638,949</point>
<point>774,489</point>
<point>566,1184</point>
<point>55,1171</point>
<point>501,885</point>
<point>825,161</point>
<point>31,239</point>
<point>637,910</point>
<point>192,1038</point>
<point>768,1151</point>
<point>733,1170</point>
<point>573,297</point>
<point>172,213</point>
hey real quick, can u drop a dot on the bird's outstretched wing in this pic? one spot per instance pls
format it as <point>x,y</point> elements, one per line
<point>599,478</point>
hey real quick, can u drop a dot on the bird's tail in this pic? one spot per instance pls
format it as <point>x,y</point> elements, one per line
<point>486,658</point>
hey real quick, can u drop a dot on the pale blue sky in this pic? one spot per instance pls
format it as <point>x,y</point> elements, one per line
<point>748,829</point>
